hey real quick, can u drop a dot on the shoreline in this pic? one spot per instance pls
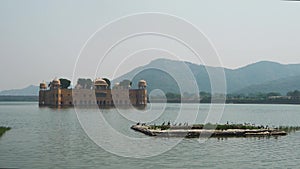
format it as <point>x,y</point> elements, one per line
<point>15,98</point>
<point>229,103</point>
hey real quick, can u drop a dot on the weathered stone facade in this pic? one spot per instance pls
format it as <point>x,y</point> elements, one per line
<point>99,95</point>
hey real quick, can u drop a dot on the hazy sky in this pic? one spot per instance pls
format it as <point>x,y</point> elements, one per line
<point>40,40</point>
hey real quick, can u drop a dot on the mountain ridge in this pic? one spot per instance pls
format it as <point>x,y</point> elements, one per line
<point>236,79</point>
<point>30,90</point>
<point>262,76</point>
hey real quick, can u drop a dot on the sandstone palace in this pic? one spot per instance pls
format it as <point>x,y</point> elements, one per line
<point>95,93</point>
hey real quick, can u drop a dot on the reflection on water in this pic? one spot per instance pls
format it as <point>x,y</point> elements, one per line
<point>50,138</point>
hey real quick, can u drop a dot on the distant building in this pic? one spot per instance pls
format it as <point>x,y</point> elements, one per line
<point>99,94</point>
<point>279,97</point>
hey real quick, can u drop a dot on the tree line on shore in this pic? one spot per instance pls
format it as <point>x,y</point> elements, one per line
<point>206,97</point>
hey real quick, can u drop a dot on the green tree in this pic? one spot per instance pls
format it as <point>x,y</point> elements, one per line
<point>173,96</point>
<point>64,83</point>
<point>108,82</point>
<point>294,94</point>
<point>273,94</point>
<point>205,94</point>
<point>85,83</point>
<point>261,96</point>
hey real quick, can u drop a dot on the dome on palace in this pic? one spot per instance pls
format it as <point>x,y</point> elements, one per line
<point>43,85</point>
<point>100,82</point>
<point>142,83</point>
<point>56,81</point>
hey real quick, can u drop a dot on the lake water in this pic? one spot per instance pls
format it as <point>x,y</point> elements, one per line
<point>54,138</point>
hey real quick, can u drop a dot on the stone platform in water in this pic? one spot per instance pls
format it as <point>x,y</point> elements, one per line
<point>189,132</point>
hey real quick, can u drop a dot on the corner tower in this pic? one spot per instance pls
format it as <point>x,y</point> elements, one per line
<point>100,84</point>
<point>42,93</point>
<point>142,93</point>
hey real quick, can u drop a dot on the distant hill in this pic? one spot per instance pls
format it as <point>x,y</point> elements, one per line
<point>27,91</point>
<point>259,76</point>
<point>282,86</point>
<point>260,73</point>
